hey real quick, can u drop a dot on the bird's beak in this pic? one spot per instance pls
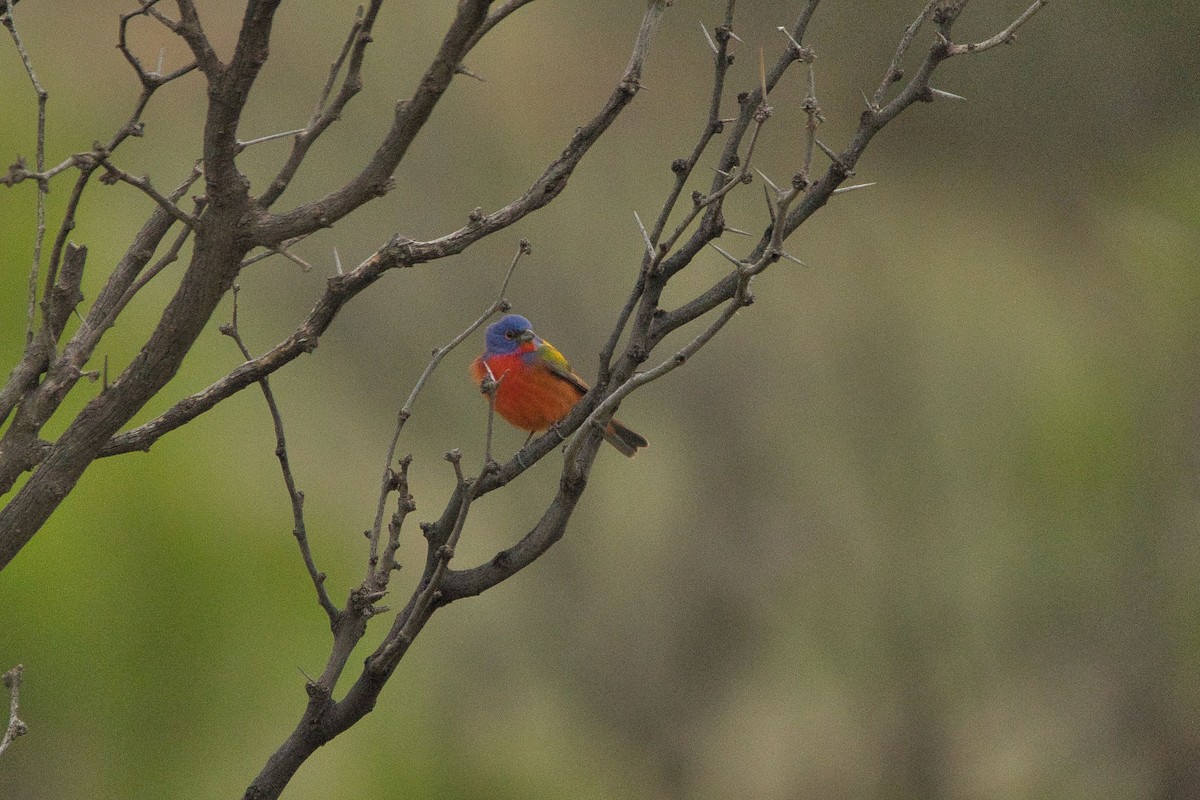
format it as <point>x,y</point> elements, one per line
<point>525,336</point>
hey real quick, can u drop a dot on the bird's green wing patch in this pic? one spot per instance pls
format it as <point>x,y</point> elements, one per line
<point>558,364</point>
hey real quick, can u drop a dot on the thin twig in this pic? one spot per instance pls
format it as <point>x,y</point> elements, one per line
<point>89,162</point>
<point>114,174</point>
<point>149,8</point>
<point>173,251</point>
<point>894,72</point>
<point>489,386</point>
<point>496,16</point>
<point>812,111</point>
<point>15,728</point>
<point>150,79</point>
<point>336,67</point>
<point>6,18</point>
<point>1006,36</point>
<point>404,504</point>
<point>168,258</point>
<point>328,111</point>
<point>297,497</point>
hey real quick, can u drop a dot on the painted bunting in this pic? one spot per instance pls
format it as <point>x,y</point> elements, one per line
<point>537,386</point>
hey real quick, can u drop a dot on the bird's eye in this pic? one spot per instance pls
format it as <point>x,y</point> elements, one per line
<point>509,334</point>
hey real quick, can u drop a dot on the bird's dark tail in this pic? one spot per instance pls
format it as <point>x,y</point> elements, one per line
<point>624,439</point>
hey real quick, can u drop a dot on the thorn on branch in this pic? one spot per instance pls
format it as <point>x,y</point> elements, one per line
<point>735,261</point>
<point>462,70</point>
<point>844,189</point>
<point>645,237</point>
<point>790,257</point>
<point>837,161</point>
<point>297,132</point>
<point>930,94</point>
<point>805,55</point>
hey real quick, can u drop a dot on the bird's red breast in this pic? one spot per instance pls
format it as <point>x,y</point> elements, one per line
<point>530,396</point>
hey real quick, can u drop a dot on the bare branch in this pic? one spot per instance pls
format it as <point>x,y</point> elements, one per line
<point>376,178</point>
<point>210,275</point>
<point>113,297</point>
<point>489,386</point>
<point>352,38</point>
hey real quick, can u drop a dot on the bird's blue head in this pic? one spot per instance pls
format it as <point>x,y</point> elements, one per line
<point>507,335</point>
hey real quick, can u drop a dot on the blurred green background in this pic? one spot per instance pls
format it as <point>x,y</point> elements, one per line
<point>921,523</point>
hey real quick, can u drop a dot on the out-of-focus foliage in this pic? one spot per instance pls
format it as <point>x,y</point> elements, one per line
<point>921,523</point>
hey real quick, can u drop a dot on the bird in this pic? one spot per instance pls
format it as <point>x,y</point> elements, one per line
<point>537,386</point>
